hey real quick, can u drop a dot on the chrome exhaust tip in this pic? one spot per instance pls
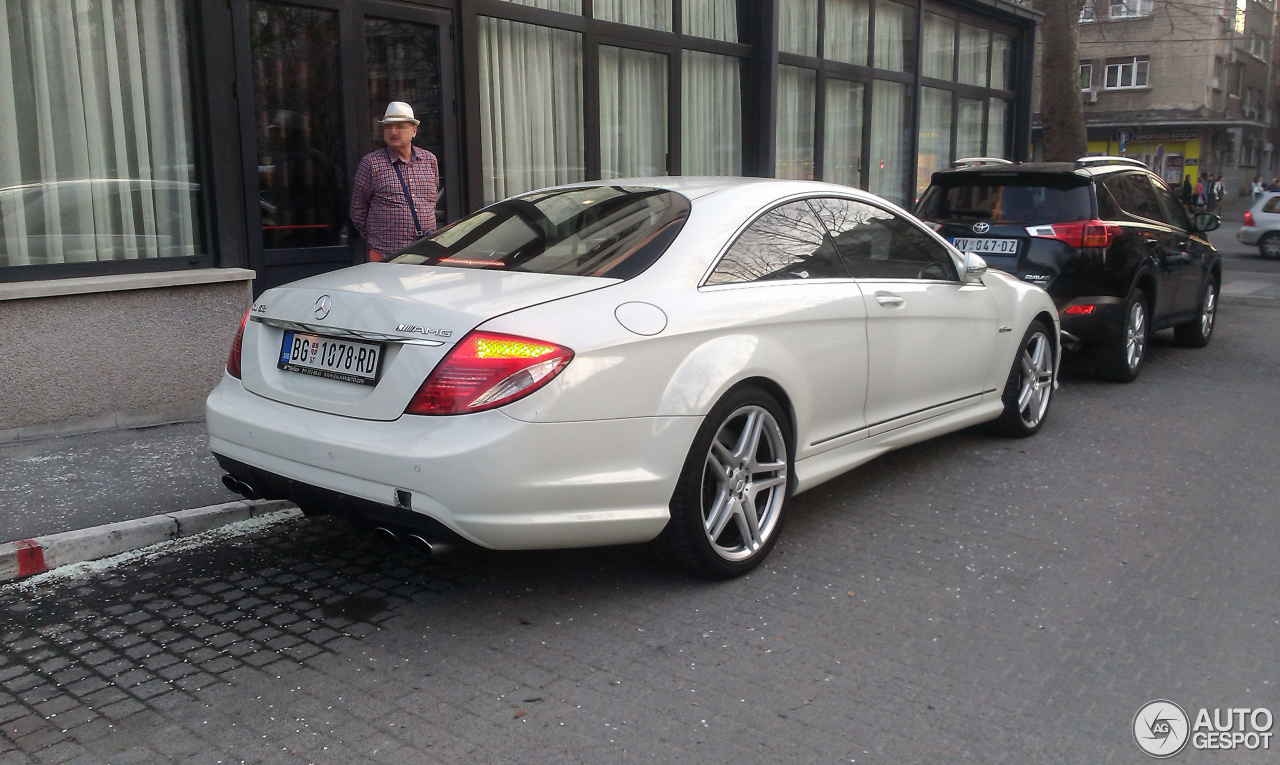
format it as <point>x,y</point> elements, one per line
<point>385,534</point>
<point>239,487</point>
<point>430,547</point>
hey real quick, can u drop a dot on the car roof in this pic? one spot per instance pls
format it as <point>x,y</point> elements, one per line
<point>697,186</point>
<point>1044,168</point>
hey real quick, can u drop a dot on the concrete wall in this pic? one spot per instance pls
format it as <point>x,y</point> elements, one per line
<point>124,358</point>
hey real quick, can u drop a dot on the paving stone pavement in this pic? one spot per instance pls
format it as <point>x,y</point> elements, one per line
<point>971,599</point>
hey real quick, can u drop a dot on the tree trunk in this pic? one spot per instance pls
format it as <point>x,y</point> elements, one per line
<point>1060,110</point>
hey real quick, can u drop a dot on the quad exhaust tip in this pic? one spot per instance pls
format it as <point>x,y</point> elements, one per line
<point>240,487</point>
<point>416,542</point>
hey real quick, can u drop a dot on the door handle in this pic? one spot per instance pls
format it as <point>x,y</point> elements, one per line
<point>884,298</point>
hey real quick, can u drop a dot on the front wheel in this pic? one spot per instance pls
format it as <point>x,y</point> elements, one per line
<point>1122,360</point>
<point>1030,384</point>
<point>726,512</point>
<point>1197,332</point>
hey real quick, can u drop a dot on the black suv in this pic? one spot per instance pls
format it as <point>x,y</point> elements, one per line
<point>1105,237</point>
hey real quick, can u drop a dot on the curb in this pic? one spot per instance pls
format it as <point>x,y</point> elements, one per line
<point>27,557</point>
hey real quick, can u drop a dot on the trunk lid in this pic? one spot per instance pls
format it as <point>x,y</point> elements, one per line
<point>413,314</point>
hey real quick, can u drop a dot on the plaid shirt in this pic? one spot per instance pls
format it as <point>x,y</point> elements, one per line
<point>378,207</point>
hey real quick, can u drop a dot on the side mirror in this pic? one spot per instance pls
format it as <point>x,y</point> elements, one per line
<point>1206,222</point>
<point>974,267</point>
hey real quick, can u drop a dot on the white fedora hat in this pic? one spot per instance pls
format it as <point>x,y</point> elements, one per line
<point>398,111</point>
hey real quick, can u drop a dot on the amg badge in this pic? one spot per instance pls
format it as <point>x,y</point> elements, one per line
<point>424,330</point>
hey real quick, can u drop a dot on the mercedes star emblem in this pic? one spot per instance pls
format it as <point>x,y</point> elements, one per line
<point>981,227</point>
<point>323,304</point>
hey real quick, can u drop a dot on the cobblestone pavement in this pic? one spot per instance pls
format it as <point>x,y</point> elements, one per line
<point>971,599</point>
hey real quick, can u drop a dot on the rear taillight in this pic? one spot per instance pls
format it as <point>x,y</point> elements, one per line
<point>233,358</point>
<point>1081,233</point>
<point>1248,218</point>
<point>1079,310</point>
<point>486,370</point>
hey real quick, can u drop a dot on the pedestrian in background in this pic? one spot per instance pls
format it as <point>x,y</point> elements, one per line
<point>393,198</point>
<point>1219,191</point>
<point>1197,195</point>
<point>1187,193</point>
<point>1258,187</point>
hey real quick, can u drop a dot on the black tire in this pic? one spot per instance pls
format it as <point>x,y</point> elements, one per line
<point>1122,360</point>
<point>703,488</point>
<point>1199,331</point>
<point>1269,246</point>
<point>1029,389</point>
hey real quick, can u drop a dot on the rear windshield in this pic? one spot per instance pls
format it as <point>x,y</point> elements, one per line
<point>609,231</point>
<point>1006,200</point>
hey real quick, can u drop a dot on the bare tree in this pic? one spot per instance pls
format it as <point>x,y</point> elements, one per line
<point>1060,110</point>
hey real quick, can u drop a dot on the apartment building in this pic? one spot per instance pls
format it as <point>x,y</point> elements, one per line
<point>1183,85</point>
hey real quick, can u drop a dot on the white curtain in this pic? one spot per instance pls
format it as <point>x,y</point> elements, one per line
<point>845,37</point>
<point>717,19</point>
<point>969,128</point>
<point>564,6</point>
<point>794,139</point>
<point>1000,62</point>
<point>633,112</point>
<point>889,144</point>
<point>935,135</point>
<point>798,27</point>
<point>996,117</point>
<point>530,107</point>
<point>842,139</point>
<point>711,121</point>
<point>973,55</point>
<point>895,25</point>
<point>939,47</point>
<point>95,138</point>
<point>654,14</point>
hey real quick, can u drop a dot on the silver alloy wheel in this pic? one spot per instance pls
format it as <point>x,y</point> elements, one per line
<point>1135,335</point>
<point>1036,380</point>
<point>744,483</point>
<point>1271,246</point>
<point>1208,310</point>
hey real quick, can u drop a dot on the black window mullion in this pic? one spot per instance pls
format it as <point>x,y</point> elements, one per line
<point>590,101</point>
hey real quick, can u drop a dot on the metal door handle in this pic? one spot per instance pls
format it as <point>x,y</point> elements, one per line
<point>884,299</point>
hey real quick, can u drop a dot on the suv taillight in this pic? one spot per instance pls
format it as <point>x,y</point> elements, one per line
<point>1248,218</point>
<point>1081,233</point>
<point>486,370</point>
<point>233,358</point>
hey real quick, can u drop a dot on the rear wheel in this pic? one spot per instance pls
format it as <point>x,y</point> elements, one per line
<point>1122,361</point>
<point>1030,384</point>
<point>726,512</point>
<point>1197,332</point>
<point>1269,246</point>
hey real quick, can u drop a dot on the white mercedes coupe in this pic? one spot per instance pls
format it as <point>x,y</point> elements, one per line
<point>666,359</point>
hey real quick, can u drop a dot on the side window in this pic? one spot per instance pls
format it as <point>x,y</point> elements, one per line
<point>1169,205</point>
<point>877,244</point>
<point>787,242</point>
<point>1272,205</point>
<point>1108,208</point>
<point>1135,195</point>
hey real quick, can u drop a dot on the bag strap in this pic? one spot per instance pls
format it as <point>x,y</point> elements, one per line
<point>417,227</point>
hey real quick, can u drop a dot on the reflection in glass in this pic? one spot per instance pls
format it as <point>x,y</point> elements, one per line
<point>96,148</point>
<point>798,27</point>
<point>717,19</point>
<point>845,34</point>
<point>786,243</point>
<point>1001,53</point>
<point>973,55</point>
<point>300,136</point>
<point>796,93</point>
<point>842,138</point>
<point>711,119</point>
<point>404,65</point>
<point>939,47</point>
<point>890,141</point>
<point>876,244</point>
<point>935,135</point>
<point>654,14</point>
<point>633,112</point>
<point>969,128</point>
<point>530,107</point>
<point>996,117</point>
<point>895,37</point>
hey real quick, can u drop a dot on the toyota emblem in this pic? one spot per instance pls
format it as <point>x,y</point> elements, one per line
<point>981,227</point>
<point>323,304</point>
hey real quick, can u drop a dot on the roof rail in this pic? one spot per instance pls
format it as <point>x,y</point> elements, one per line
<point>977,161</point>
<point>1102,160</point>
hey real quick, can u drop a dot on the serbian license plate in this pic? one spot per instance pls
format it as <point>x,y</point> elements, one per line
<point>987,246</point>
<point>330,357</point>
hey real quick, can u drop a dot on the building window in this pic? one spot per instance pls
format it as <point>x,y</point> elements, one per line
<point>530,107</point>
<point>935,135</point>
<point>890,140</point>
<point>633,112</point>
<point>845,38</point>
<point>1127,9</point>
<point>1218,66</point>
<point>939,46</point>
<point>895,34</point>
<point>97,160</point>
<point>969,127</point>
<point>794,148</point>
<point>798,27</point>
<point>654,14</point>
<point>1086,76</point>
<point>1127,73</point>
<point>563,6</point>
<point>974,47</point>
<point>842,139</point>
<point>998,112</point>
<point>1086,12</point>
<point>711,114</point>
<point>1237,78</point>
<point>716,19</point>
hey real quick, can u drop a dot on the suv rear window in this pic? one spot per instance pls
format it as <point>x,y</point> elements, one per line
<point>1006,199</point>
<point>609,231</point>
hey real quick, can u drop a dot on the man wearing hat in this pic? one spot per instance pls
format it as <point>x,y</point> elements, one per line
<point>393,200</point>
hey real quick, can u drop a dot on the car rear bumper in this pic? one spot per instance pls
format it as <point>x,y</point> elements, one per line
<point>1250,235</point>
<point>491,479</point>
<point>1104,325</point>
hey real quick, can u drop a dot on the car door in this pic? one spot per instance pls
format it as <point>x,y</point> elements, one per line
<point>931,339</point>
<point>1144,228</point>
<point>784,286</point>
<point>1192,252</point>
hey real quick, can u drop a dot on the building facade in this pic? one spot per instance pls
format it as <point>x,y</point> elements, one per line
<point>1184,87</point>
<point>173,157</point>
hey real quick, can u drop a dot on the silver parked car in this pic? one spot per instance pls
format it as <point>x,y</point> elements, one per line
<point>1262,225</point>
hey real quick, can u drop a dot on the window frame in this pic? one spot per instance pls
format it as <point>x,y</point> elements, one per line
<point>1086,65</point>
<point>1134,64</point>
<point>1141,9</point>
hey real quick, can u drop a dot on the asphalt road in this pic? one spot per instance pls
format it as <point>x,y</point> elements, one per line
<point>971,599</point>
